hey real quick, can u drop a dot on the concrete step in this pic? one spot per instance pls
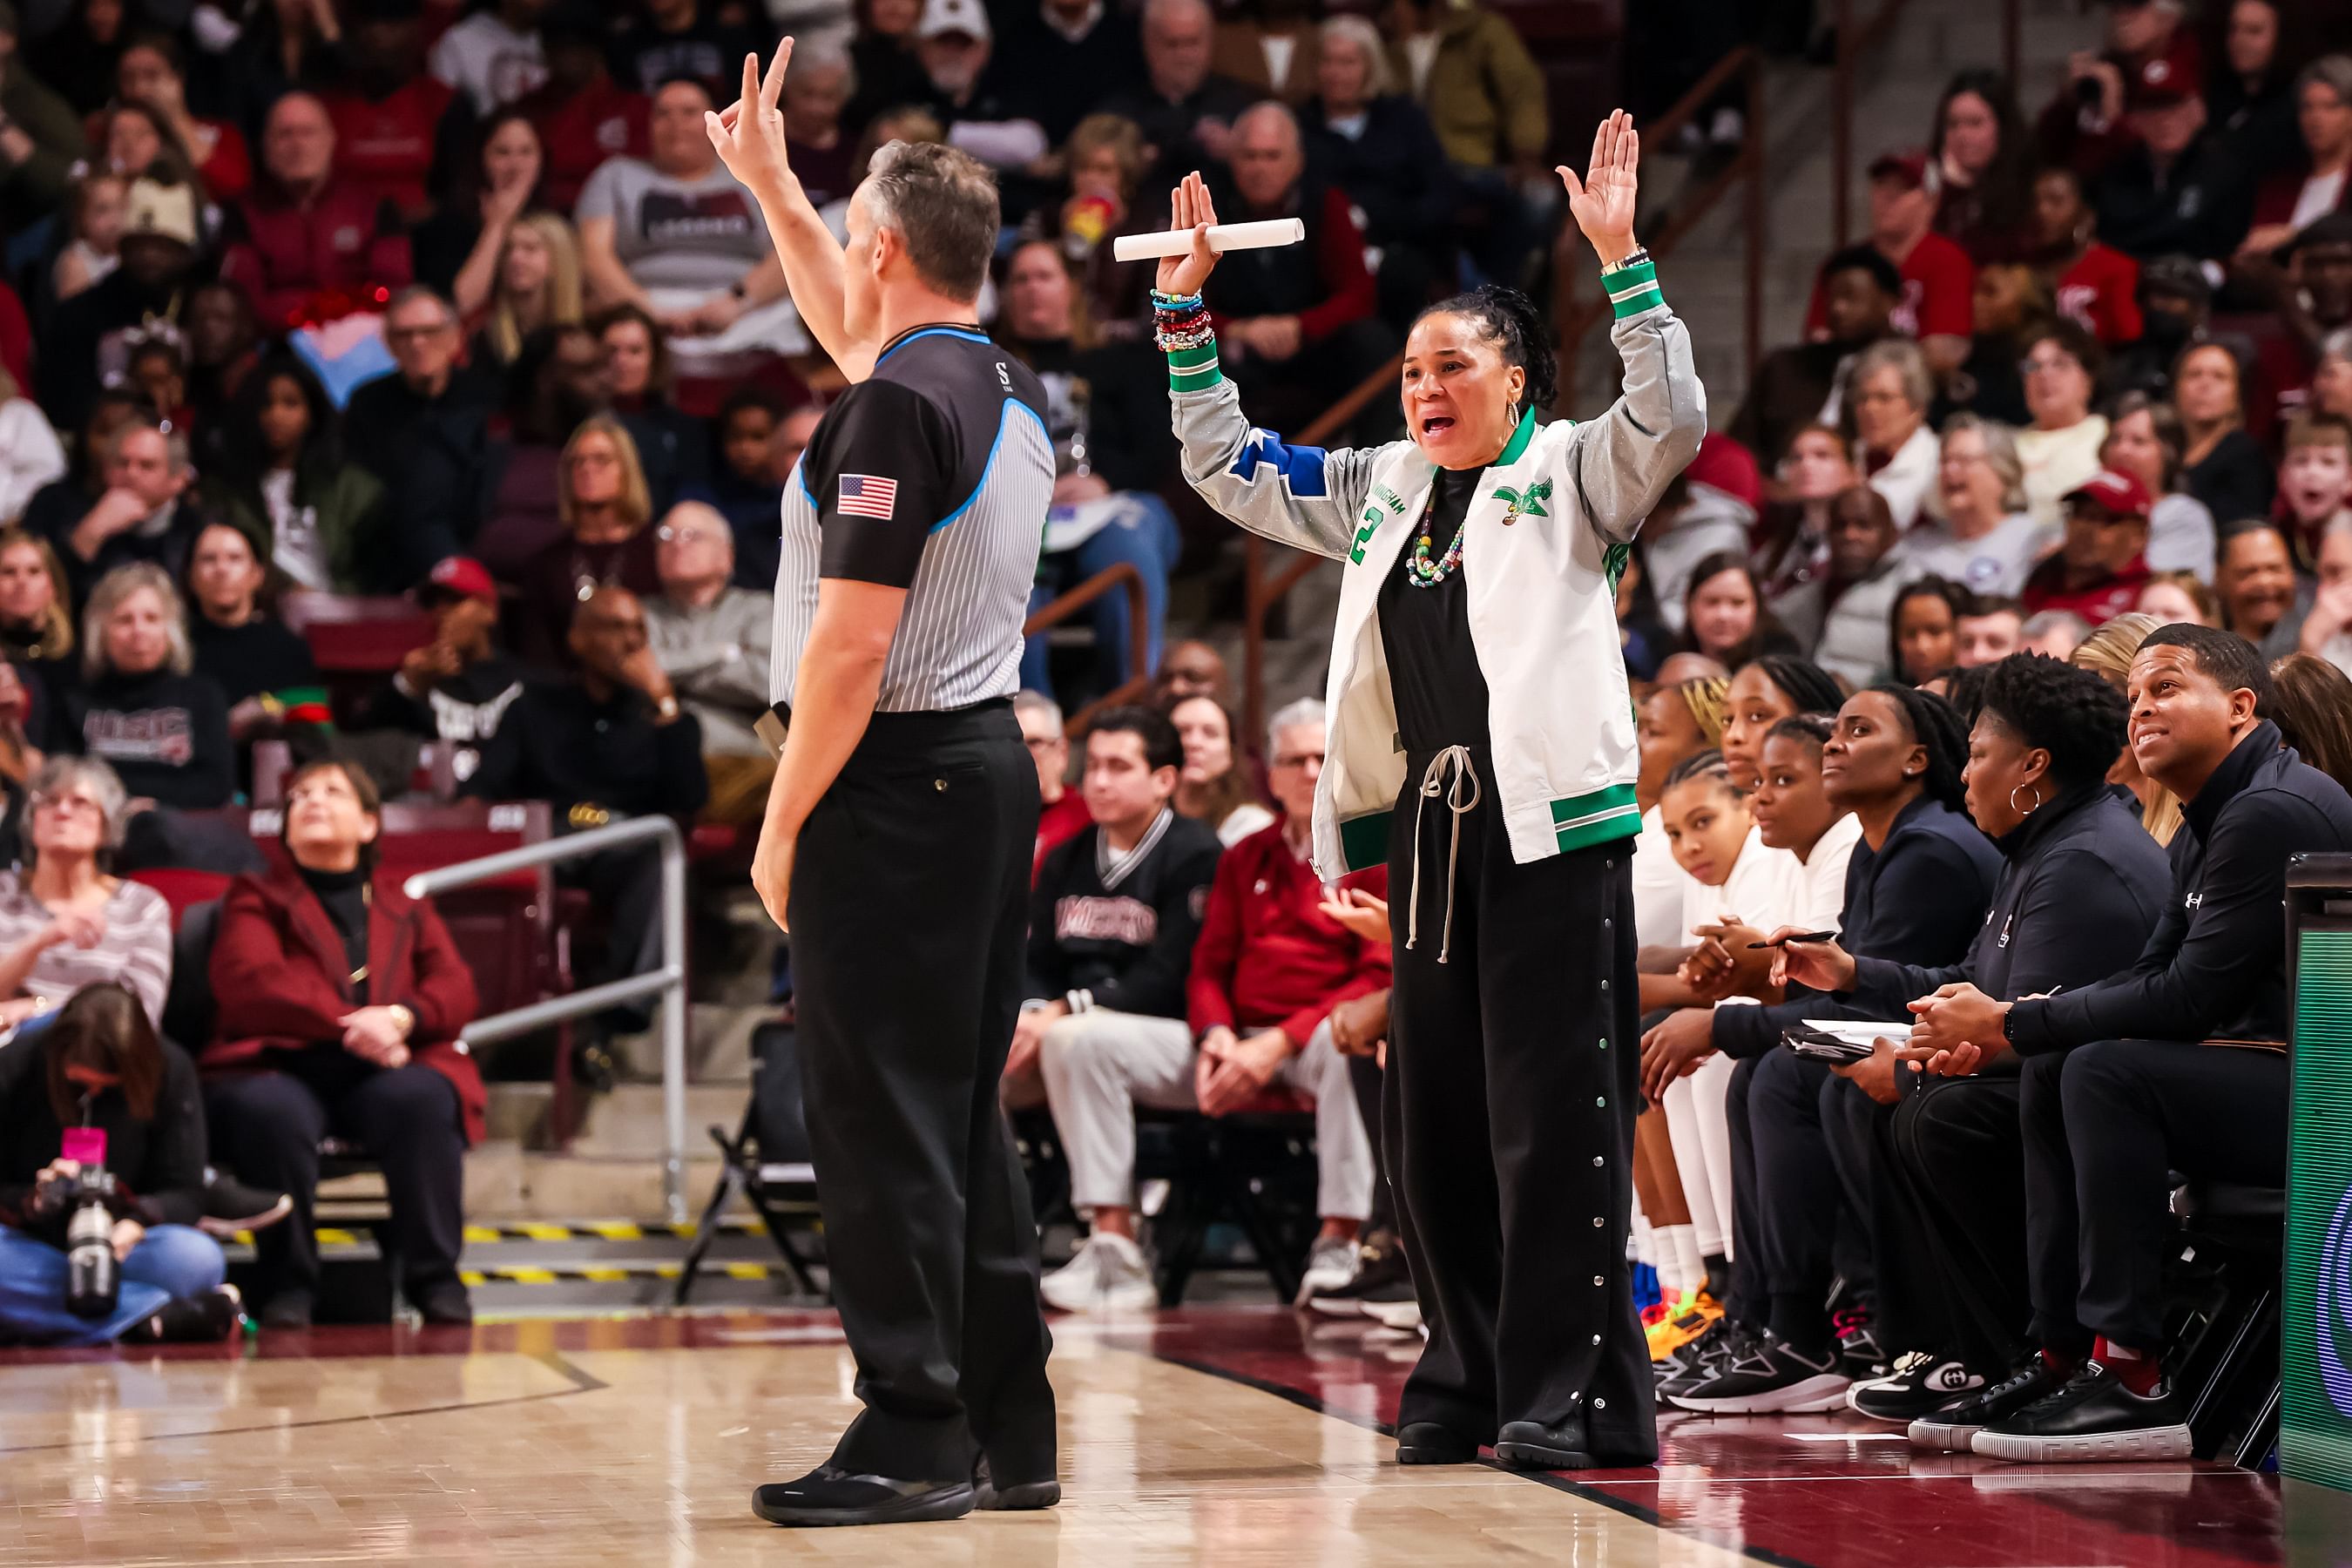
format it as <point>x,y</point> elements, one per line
<point>505,1182</point>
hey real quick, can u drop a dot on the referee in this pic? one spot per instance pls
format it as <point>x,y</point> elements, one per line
<point>901,824</point>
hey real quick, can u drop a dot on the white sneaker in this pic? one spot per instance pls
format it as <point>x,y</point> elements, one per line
<point>1110,1274</point>
<point>1402,1316</point>
<point>1330,1264</point>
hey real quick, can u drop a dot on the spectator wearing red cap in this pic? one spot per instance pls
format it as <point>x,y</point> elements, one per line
<point>393,122</point>
<point>2085,125</point>
<point>310,243</point>
<point>2173,187</point>
<point>583,114</point>
<point>457,687</point>
<point>2101,566</point>
<point>1939,278</point>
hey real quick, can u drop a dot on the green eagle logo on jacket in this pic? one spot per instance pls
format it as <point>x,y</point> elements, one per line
<point>1529,502</point>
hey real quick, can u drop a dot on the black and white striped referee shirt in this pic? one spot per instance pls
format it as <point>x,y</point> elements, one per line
<point>934,475</point>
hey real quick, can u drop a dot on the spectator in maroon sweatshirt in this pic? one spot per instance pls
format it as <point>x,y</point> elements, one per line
<point>1296,324</point>
<point>394,122</point>
<point>1267,971</point>
<point>310,244</point>
<point>583,116</point>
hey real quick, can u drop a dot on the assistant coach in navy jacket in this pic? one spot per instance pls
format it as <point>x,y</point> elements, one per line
<point>2177,1064</point>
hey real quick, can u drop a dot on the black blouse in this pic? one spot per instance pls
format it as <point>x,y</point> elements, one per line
<point>1441,693</point>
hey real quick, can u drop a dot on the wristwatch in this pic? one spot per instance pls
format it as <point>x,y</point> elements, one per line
<point>405,1016</point>
<point>667,707</point>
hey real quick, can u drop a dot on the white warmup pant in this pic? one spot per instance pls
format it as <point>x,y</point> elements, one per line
<point>1099,1065</point>
<point>1700,1130</point>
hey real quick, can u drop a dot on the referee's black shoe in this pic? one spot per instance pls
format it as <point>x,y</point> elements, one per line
<point>1018,1497</point>
<point>1532,1446</point>
<point>831,1495</point>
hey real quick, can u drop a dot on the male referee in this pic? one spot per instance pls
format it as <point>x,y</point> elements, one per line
<point>901,824</point>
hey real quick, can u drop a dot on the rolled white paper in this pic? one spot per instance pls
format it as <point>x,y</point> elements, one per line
<point>1222,237</point>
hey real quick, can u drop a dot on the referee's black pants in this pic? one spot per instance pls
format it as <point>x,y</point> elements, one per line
<point>1951,1229</point>
<point>2105,1124</point>
<point>1508,1128</point>
<point>909,915</point>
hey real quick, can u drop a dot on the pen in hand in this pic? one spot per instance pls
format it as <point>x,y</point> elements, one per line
<point>1797,936</point>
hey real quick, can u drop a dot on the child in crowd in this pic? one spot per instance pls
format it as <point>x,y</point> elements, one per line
<point>94,215</point>
<point>2314,480</point>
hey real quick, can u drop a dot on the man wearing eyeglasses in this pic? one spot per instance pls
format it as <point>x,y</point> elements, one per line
<point>429,396</point>
<point>711,638</point>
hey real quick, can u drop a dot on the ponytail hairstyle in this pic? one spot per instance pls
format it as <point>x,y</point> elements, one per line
<point>1511,320</point>
<point>1936,725</point>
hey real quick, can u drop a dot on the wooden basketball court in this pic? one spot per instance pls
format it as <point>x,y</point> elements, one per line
<point>1229,1436</point>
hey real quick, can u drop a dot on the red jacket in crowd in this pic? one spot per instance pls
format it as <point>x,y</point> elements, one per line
<point>1267,956</point>
<point>2098,604</point>
<point>280,982</point>
<point>2100,291</point>
<point>385,146</point>
<point>343,241</point>
<point>1940,284</point>
<point>603,119</point>
<point>1057,824</point>
<point>1341,280</point>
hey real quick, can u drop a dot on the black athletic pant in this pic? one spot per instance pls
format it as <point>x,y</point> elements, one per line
<point>908,914</point>
<point>266,1128</point>
<point>2103,1124</point>
<point>1794,1188</point>
<point>1508,1124</point>
<point>1364,1076</point>
<point>1951,1229</point>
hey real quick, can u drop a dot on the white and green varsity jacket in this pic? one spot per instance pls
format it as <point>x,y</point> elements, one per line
<point>1547,537</point>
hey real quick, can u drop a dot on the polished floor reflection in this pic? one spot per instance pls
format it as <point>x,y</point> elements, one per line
<point>1230,1435</point>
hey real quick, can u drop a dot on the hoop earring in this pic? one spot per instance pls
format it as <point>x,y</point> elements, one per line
<point>2025,810</point>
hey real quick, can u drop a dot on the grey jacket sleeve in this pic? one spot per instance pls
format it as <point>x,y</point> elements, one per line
<point>1620,462</point>
<point>1300,496</point>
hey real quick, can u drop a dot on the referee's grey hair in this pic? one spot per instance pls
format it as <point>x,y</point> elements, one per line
<point>942,203</point>
<point>1292,716</point>
<point>1037,702</point>
<point>107,597</point>
<point>1359,32</point>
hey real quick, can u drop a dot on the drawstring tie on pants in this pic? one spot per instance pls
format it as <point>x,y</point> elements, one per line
<point>1461,792</point>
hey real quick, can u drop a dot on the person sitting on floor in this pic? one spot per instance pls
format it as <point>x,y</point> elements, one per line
<point>711,638</point>
<point>339,1006</point>
<point>2123,1081</point>
<point>1112,924</point>
<point>100,1065</point>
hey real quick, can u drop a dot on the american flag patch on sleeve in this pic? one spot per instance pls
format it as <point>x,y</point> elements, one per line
<point>868,495</point>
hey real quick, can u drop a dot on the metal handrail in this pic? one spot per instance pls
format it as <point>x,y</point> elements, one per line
<point>668,983</point>
<point>1119,574</point>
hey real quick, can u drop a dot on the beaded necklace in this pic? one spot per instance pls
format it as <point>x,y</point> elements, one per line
<point>1420,569</point>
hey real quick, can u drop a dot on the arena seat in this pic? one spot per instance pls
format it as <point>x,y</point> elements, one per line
<point>2227,1367</point>
<point>356,640</point>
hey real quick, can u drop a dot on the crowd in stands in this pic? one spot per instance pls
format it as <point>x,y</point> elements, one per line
<point>1973,657</point>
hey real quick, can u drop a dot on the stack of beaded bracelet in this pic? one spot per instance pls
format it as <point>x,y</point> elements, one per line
<point>1180,322</point>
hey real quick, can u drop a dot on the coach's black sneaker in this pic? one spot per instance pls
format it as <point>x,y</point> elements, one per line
<point>1919,1386</point>
<point>1020,1497</point>
<point>1532,1446</point>
<point>831,1495</point>
<point>1427,1443</point>
<point>1860,1355</point>
<point>2093,1418</point>
<point>1767,1374</point>
<point>1381,1277</point>
<point>1951,1428</point>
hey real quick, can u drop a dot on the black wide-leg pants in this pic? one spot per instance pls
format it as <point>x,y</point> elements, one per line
<point>908,914</point>
<point>1508,1128</point>
<point>1950,1222</point>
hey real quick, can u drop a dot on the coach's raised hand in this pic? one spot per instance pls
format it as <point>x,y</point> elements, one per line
<point>749,133</point>
<point>1602,202</point>
<point>1190,207</point>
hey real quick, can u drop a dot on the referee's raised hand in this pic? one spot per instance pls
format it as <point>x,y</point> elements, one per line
<point>1603,201</point>
<point>749,133</point>
<point>1188,206</point>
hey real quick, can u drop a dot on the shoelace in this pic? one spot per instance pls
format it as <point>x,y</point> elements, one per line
<point>1907,1364</point>
<point>1453,761</point>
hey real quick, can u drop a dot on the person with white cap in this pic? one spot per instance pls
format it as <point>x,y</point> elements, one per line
<point>161,242</point>
<point>984,119</point>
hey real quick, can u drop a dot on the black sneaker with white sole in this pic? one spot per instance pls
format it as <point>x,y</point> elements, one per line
<point>1695,1362</point>
<point>1952,1428</point>
<point>1769,1374</point>
<point>2093,1419</point>
<point>1919,1385</point>
<point>1381,1277</point>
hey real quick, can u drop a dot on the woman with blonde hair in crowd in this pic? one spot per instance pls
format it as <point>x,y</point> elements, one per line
<point>135,663</point>
<point>2174,597</point>
<point>538,285</point>
<point>2108,653</point>
<point>607,511</point>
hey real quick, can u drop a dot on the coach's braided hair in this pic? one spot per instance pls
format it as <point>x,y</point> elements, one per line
<point>1707,765</point>
<point>1510,318</point>
<point>1936,725</point>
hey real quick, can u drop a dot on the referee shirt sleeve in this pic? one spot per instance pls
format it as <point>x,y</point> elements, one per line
<point>880,477</point>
